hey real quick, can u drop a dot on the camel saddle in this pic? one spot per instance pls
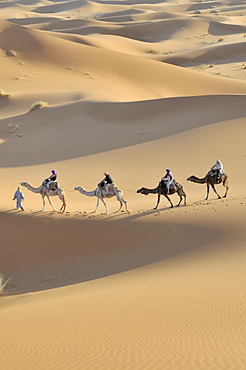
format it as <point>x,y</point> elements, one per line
<point>164,186</point>
<point>111,187</point>
<point>216,175</point>
<point>53,185</point>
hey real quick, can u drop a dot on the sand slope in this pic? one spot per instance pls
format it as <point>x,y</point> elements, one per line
<point>130,88</point>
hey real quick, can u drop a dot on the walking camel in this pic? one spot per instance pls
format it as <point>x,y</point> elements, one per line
<point>210,180</point>
<point>100,194</point>
<point>44,192</point>
<point>160,190</point>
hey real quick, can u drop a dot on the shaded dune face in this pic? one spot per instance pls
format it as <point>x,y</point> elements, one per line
<point>87,256</point>
<point>85,124</point>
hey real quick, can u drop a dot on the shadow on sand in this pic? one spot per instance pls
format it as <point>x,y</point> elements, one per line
<point>45,252</point>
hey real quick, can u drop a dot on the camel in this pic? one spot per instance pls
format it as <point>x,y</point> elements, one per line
<point>44,192</point>
<point>101,195</point>
<point>160,190</point>
<point>210,180</point>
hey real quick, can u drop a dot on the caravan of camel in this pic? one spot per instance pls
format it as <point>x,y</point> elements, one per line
<point>113,191</point>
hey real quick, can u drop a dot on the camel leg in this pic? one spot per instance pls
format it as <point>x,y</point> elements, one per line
<point>158,200</point>
<point>43,204</point>
<point>169,200</point>
<point>105,204</point>
<point>63,207</point>
<point>50,203</point>
<point>225,183</point>
<point>121,204</point>
<point>121,200</point>
<point>125,202</point>
<point>118,197</point>
<point>207,192</point>
<point>180,200</point>
<point>98,200</point>
<point>213,187</point>
<point>126,206</point>
<point>182,194</point>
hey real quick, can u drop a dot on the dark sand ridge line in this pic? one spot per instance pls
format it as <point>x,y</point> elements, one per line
<point>156,30</point>
<point>221,28</point>
<point>7,4</point>
<point>71,260</point>
<point>62,7</point>
<point>161,30</point>
<point>92,18</point>
<point>227,11</point>
<point>140,15</point>
<point>30,21</point>
<point>89,8</point>
<point>22,2</point>
<point>150,6</point>
<point>124,121</point>
<point>222,53</point>
<point>211,6</point>
<point>59,23</point>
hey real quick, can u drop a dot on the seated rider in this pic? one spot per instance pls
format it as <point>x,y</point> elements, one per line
<point>167,179</point>
<point>50,179</point>
<point>106,182</point>
<point>217,169</point>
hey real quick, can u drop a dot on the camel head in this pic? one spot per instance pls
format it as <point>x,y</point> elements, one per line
<point>79,188</point>
<point>25,183</point>
<point>190,178</point>
<point>143,191</point>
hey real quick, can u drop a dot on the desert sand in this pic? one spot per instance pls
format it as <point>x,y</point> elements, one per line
<point>131,88</point>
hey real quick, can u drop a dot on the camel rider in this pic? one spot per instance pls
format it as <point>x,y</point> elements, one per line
<point>217,169</point>
<point>167,179</point>
<point>51,178</point>
<point>107,181</point>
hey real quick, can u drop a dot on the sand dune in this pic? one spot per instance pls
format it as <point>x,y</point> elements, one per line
<point>82,130</point>
<point>119,76</point>
<point>130,88</point>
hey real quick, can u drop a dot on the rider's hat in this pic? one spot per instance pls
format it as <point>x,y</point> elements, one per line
<point>53,171</point>
<point>167,170</point>
<point>106,173</point>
